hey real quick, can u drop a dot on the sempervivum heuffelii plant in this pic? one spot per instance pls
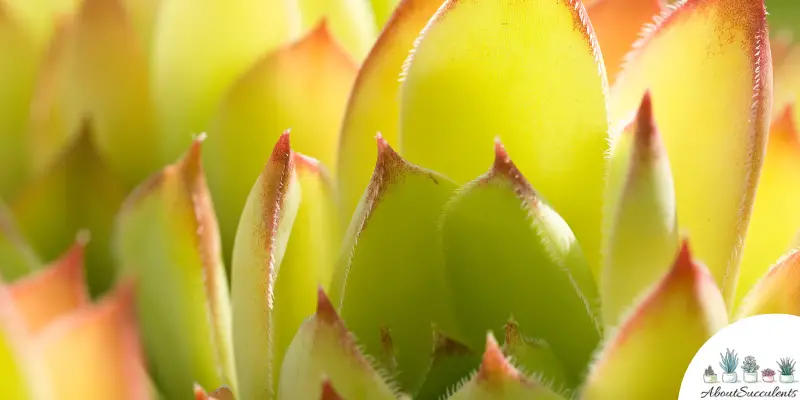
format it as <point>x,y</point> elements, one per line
<point>608,224</point>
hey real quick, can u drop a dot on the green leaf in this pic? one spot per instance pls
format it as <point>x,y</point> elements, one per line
<point>534,356</point>
<point>642,230</point>
<point>451,363</point>
<point>375,101</point>
<point>273,96</point>
<point>190,75</point>
<point>18,258</point>
<point>527,71</point>
<point>393,264</point>
<point>498,379</point>
<point>324,351</point>
<point>167,239</point>
<point>285,247</point>
<point>507,253</point>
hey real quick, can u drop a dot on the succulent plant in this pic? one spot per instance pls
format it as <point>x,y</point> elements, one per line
<point>628,206</point>
<point>749,365</point>
<point>768,372</point>
<point>729,361</point>
<point>786,366</point>
<point>709,371</point>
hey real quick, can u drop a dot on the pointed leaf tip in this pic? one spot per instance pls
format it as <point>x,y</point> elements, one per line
<point>283,147</point>
<point>328,392</point>
<point>505,167</point>
<point>325,309</point>
<point>494,365</point>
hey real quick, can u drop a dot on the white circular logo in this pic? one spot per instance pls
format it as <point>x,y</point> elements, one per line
<point>754,357</point>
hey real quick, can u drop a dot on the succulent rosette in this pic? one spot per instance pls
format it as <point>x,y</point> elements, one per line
<point>487,199</point>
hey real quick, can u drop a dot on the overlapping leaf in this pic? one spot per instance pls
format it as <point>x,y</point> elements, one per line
<point>351,22</point>
<point>18,258</point>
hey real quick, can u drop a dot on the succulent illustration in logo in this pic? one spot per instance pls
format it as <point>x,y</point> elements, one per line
<point>768,375</point>
<point>728,362</point>
<point>750,368</point>
<point>786,366</point>
<point>709,376</point>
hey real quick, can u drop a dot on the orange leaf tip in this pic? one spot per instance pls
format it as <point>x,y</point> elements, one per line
<point>784,128</point>
<point>646,132</point>
<point>328,391</point>
<point>283,148</point>
<point>495,368</point>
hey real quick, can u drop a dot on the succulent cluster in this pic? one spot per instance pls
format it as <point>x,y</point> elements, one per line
<point>768,372</point>
<point>327,199</point>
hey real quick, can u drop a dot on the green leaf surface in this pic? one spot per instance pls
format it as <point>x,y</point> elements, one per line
<point>534,356</point>
<point>393,264</point>
<point>508,253</point>
<point>451,363</point>
<point>323,351</point>
<point>529,72</point>
<point>167,239</point>
<point>17,258</point>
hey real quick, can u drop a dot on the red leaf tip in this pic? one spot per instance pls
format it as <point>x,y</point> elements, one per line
<point>386,154</point>
<point>494,366</point>
<point>282,151</point>
<point>325,309</point>
<point>328,391</point>
<point>645,131</point>
<point>784,127</point>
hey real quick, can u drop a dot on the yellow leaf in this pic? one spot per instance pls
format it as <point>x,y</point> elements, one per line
<point>375,101</point>
<point>776,217</point>
<point>302,87</point>
<point>529,72</point>
<point>678,314</point>
<point>351,22</point>
<point>200,48</point>
<point>712,104</point>
<point>777,292</point>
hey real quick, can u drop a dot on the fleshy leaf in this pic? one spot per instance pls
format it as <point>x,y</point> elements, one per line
<point>16,79</point>
<point>143,16</point>
<point>450,363</point>
<point>275,95</point>
<point>222,393</point>
<point>503,242</point>
<point>776,216</point>
<point>678,314</point>
<point>167,238</point>
<point>77,192</point>
<point>787,83</point>
<point>95,354</point>
<point>391,250</point>
<point>477,72</point>
<point>58,290</point>
<point>642,236</point>
<point>190,75</point>
<point>285,247</point>
<point>374,104</point>
<point>329,392</point>
<point>382,11</point>
<point>323,349</point>
<point>105,60</point>
<point>17,258</point>
<point>498,379</point>
<point>534,356</point>
<point>618,24</point>
<point>19,374</point>
<point>351,22</point>
<point>777,292</point>
<point>715,140</point>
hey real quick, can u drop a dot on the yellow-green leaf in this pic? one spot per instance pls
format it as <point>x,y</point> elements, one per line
<point>393,265</point>
<point>715,139</point>
<point>323,350</point>
<point>618,24</point>
<point>777,292</point>
<point>506,249</point>
<point>57,290</point>
<point>350,21</point>
<point>285,247</point>
<point>278,93</point>
<point>529,72</point>
<point>107,79</point>
<point>78,191</point>
<point>678,315</point>
<point>19,375</point>
<point>534,356</point>
<point>200,48</point>
<point>382,11</point>
<point>498,379</point>
<point>642,235</point>
<point>787,80</point>
<point>776,217</point>
<point>451,362</point>
<point>167,238</point>
<point>95,353</point>
<point>17,258</point>
<point>375,101</point>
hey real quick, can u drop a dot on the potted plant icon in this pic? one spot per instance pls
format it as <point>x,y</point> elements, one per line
<point>750,369</point>
<point>768,375</point>
<point>728,362</point>
<point>786,366</point>
<point>709,376</point>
